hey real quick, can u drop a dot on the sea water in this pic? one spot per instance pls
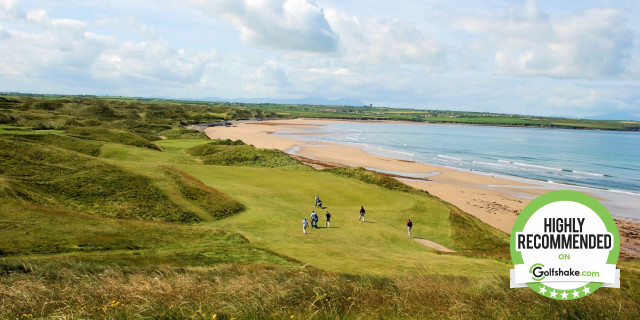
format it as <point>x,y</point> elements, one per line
<point>607,160</point>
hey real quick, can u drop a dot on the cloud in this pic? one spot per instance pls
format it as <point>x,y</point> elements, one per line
<point>9,9</point>
<point>129,24</point>
<point>594,43</point>
<point>376,42</point>
<point>155,61</point>
<point>65,48</point>
<point>276,24</point>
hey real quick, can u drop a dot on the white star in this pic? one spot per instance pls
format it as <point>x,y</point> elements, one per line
<point>564,295</point>
<point>586,290</point>
<point>542,290</point>
<point>576,294</point>
<point>553,294</point>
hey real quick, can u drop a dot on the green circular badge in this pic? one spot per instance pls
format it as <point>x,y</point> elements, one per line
<point>565,245</point>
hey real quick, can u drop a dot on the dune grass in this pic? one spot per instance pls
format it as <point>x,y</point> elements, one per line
<point>183,134</point>
<point>84,183</point>
<point>238,154</point>
<point>215,203</point>
<point>371,177</point>
<point>178,146</point>
<point>55,289</point>
<point>44,232</point>
<point>84,146</point>
<point>111,135</point>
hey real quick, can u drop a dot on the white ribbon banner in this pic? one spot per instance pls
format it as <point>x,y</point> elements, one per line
<point>607,274</point>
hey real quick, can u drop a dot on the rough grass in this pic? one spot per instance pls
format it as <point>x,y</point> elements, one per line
<point>211,147</point>
<point>84,183</point>
<point>241,155</point>
<point>111,135</point>
<point>183,134</point>
<point>473,237</point>
<point>40,233</point>
<point>77,289</point>
<point>88,147</point>
<point>213,202</point>
<point>23,131</point>
<point>372,177</point>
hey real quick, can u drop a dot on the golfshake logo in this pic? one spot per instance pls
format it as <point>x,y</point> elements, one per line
<point>565,245</point>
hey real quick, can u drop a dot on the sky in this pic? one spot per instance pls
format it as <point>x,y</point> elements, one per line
<point>570,58</point>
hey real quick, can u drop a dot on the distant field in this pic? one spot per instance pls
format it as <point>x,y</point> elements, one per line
<point>191,112</point>
<point>109,209</point>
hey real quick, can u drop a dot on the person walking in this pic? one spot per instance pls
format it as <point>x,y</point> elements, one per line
<point>362,211</point>
<point>326,224</point>
<point>314,219</point>
<point>304,226</point>
<point>409,226</point>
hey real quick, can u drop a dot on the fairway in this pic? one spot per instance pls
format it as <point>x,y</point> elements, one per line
<point>278,199</point>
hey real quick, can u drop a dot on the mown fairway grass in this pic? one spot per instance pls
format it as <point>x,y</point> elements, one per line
<point>278,199</point>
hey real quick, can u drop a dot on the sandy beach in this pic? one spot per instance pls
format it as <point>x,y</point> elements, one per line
<point>494,199</point>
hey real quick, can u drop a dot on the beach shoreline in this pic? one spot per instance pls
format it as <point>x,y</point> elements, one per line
<point>493,198</point>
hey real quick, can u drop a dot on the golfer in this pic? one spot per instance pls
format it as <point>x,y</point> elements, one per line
<point>326,224</point>
<point>409,226</point>
<point>314,219</point>
<point>304,225</point>
<point>362,211</point>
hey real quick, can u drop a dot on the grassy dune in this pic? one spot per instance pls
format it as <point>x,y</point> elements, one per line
<point>102,219</point>
<point>227,153</point>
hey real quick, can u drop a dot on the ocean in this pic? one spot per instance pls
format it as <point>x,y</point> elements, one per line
<point>608,160</point>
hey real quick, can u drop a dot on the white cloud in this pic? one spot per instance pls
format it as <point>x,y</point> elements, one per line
<point>276,24</point>
<point>8,9</point>
<point>64,48</point>
<point>155,60</point>
<point>129,24</point>
<point>591,44</point>
<point>371,42</point>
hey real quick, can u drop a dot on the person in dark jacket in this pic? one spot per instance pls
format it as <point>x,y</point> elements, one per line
<point>409,226</point>
<point>362,211</point>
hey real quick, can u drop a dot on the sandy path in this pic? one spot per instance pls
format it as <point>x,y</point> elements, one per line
<point>433,245</point>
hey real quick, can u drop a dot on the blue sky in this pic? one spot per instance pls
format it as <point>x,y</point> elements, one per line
<point>576,58</point>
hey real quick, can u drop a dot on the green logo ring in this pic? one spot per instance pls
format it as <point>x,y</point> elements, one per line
<point>565,195</point>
